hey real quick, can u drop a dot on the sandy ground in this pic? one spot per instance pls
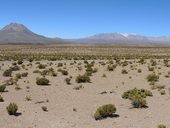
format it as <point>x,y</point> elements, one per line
<point>63,98</point>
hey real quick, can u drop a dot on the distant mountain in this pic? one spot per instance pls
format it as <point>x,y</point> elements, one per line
<point>122,38</point>
<point>18,33</point>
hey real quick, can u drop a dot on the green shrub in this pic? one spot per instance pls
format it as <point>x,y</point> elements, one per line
<point>136,92</point>
<point>141,61</point>
<point>12,109</point>
<point>44,72</point>
<point>2,88</point>
<point>20,62</point>
<point>111,67</point>
<point>42,81</point>
<point>139,102</point>
<point>25,74</point>
<point>82,78</point>
<point>60,64</point>
<point>137,96</point>
<point>152,77</point>
<point>67,80</point>
<point>7,73</point>
<point>64,72</point>
<point>124,71</point>
<point>36,71</point>
<point>41,66</point>
<point>104,111</point>
<point>151,68</point>
<point>28,98</point>
<point>162,92</point>
<point>18,76</point>
<point>139,70</point>
<point>1,99</point>
<point>161,126</point>
<point>15,68</point>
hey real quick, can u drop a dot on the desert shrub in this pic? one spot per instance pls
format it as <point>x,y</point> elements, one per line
<point>78,87</point>
<point>25,74</point>
<point>20,62</point>
<point>160,87</point>
<point>15,68</point>
<point>139,70</point>
<point>64,72</point>
<point>41,66</point>
<point>60,64</point>
<point>111,67</point>
<point>44,72</point>
<point>90,70</point>
<point>11,81</point>
<point>7,73</point>
<point>152,77</point>
<point>28,98</point>
<point>124,71</point>
<point>104,111</point>
<point>141,61</point>
<point>53,74</point>
<point>167,76</point>
<point>104,75</point>
<point>14,63</point>
<point>153,62</point>
<point>42,81</point>
<point>162,92</point>
<point>137,96</point>
<point>17,87</point>
<point>44,108</point>
<point>139,102</point>
<point>82,78</point>
<point>67,80</point>
<point>2,88</point>
<point>136,92</point>
<point>1,99</point>
<point>12,109</point>
<point>36,71</point>
<point>30,60</point>
<point>18,76</point>
<point>161,126</point>
<point>125,63</point>
<point>150,68</point>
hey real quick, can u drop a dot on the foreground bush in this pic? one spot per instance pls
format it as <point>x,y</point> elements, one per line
<point>139,102</point>
<point>136,92</point>
<point>137,96</point>
<point>12,109</point>
<point>104,111</point>
<point>82,78</point>
<point>42,81</point>
<point>2,88</point>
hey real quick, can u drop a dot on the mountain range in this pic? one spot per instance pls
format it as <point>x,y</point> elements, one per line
<point>18,33</point>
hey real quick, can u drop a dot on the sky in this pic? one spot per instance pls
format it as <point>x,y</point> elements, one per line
<point>82,18</point>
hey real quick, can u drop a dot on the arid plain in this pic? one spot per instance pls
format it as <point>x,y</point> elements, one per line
<point>66,86</point>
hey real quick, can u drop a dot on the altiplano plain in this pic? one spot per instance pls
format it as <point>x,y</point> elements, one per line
<point>62,86</point>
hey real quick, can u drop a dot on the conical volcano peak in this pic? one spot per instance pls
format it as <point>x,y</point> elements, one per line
<point>15,27</point>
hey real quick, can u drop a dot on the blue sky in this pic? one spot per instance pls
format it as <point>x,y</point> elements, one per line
<point>81,18</point>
